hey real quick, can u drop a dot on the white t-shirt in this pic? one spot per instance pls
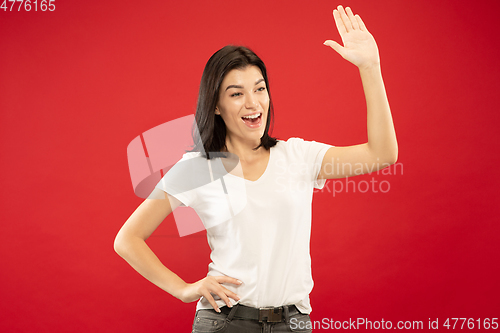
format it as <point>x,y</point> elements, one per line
<point>258,231</point>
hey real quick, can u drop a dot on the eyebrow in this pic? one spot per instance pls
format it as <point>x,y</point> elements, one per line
<point>241,87</point>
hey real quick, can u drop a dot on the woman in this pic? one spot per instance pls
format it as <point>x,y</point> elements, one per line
<point>260,275</point>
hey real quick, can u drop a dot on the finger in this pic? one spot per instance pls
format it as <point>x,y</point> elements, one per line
<point>361,23</point>
<point>336,46</point>
<point>345,18</point>
<point>222,294</point>
<point>216,288</point>
<point>211,300</point>
<point>227,279</point>
<point>353,20</point>
<point>231,294</point>
<point>339,23</point>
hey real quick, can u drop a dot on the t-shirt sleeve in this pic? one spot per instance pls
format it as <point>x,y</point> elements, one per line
<point>312,153</point>
<point>182,180</point>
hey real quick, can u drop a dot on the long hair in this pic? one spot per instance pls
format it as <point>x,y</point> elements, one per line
<point>212,130</point>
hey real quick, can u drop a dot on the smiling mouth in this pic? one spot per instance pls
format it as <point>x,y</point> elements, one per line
<point>253,120</point>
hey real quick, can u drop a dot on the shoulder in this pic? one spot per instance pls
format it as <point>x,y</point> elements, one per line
<point>183,169</point>
<point>191,157</point>
<point>301,149</point>
<point>291,142</point>
<point>191,154</point>
<point>292,148</point>
<point>295,143</point>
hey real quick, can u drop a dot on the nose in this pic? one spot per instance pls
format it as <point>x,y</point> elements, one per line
<point>251,101</point>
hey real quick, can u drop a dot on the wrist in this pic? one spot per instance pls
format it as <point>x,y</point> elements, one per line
<point>370,68</point>
<point>179,291</point>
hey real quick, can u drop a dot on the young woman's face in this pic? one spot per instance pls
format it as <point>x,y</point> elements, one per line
<point>244,104</point>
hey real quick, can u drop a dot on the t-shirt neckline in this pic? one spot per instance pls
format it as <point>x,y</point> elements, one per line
<point>266,171</point>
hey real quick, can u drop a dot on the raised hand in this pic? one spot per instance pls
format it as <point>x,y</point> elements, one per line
<point>359,47</point>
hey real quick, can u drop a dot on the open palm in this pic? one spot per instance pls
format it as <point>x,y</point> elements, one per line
<point>359,47</point>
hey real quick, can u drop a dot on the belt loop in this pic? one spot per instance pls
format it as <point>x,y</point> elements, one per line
<point>287,314</point>
<point>232,313</point>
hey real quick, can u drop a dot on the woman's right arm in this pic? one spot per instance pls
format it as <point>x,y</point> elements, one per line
<point>130,244</point>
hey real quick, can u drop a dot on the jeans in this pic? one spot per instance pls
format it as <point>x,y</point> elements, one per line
<point>209,321</point>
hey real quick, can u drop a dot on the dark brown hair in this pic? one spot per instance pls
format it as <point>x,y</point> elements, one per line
<point>212,130</point>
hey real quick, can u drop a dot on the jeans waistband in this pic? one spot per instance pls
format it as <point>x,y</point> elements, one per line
<point>270,314</point>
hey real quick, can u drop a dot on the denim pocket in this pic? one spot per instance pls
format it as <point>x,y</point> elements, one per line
<point>300,323</point>
<point>209,321</point>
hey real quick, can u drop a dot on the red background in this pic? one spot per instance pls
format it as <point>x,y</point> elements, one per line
<point>78,84</point>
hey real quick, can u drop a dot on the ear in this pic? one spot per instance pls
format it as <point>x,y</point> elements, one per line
<point>217,112</point>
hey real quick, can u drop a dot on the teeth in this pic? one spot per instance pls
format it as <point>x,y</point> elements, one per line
<point>252,116</point>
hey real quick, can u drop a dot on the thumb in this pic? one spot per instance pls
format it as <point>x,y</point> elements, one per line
<point>334,45</point>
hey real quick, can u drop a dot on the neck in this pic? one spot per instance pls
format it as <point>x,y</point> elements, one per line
<point>244,149</point>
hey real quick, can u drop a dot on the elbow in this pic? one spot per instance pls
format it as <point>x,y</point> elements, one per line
<point>119,244</point>
<point>125,244</point>
<point>391,156</point>
<point>385,155</point>
<point>395,152</point>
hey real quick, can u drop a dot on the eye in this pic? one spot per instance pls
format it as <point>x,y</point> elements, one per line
<point>236,94</point>
<point>261,89</point>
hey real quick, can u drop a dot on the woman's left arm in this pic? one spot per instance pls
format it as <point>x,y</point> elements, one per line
<point>381,150</point>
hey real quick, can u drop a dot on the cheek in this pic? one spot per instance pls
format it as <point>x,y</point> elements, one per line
<point>230,115</point>
<point>226,110</point>
<point>265,102</point>
<point>266,107</point>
